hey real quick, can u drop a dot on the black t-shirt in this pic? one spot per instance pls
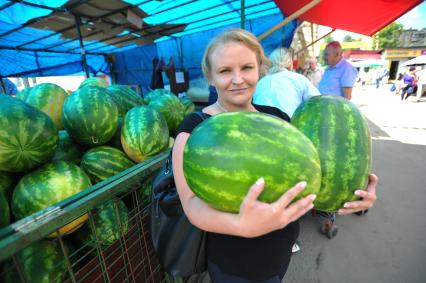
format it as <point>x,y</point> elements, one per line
<point>257,258</point>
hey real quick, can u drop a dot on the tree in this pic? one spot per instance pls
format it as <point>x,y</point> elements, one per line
<point>328,39</point>
<point>348,38</point>
<point>389,36</point>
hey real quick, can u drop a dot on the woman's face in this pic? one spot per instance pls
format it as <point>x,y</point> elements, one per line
<point>234,72</point>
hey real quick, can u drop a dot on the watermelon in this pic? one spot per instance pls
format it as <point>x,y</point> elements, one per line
<point>125,98</point>
<point>67,149</point>
<point>115,141</point>
<point>43,261</point>
<point>227,153</point>
<point>188,105</point>
<point>144,192</point>
<point>111,221</point>
<point>95,81</point>
<point>47,186</point>
<point>144,133</point>
<point>4,210</point>
<point>49,98</point>
<point>23,94</point>
<point>154,94</point>
<point>341,135</point>
<point>171,142</point>
<point>171,108</point>
<point>103,162</point>
<point>90,116</point>
<point>28,137</point>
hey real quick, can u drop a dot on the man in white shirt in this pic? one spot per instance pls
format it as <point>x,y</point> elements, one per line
<point>313,73</point>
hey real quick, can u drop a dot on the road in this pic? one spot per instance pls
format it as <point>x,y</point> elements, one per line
<point>387,244</point>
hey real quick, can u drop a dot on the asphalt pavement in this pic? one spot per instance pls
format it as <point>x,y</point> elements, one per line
<point>387,244</point>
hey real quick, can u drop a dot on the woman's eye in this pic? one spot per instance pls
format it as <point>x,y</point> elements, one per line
<point>223,71</point>
<point>247,67</point>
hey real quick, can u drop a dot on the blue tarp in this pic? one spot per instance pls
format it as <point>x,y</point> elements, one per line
<point>27,51</point>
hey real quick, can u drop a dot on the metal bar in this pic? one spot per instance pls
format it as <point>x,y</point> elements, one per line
<point>288,19</point>
<point>43,50</point>
<point>3,86</point>
<point>7,5</point>
<point>312,43</point>
<point>83,52</point>
<point>261,11</point>
<point>243,15</point>
<point>12,241</point>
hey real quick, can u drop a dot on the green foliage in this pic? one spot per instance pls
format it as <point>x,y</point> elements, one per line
<point>388,36</point>
<point>328,39</point>
<point>348,38</point>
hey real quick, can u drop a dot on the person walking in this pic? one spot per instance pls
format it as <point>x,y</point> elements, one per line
<point>281,87</point>
<point>255,244</point>
<point>340,76</point>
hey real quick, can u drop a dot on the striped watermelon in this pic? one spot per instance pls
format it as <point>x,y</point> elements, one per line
<point>4,210</point>
<point>144,133</point>
<point>43,261</point>
<point>111,221</point>
<point>23,94</point>
<point>125,98</point>
<point>47,186</point>
<point>154,94</point>
<point>6,183</point>
<point>171,108</point>
<point>115,141</point>
<point>95,81</point>
<point>28,137</point>
<point>49,98</point>
<point>188,105</point>
<point>227,153</point>
<point>103,162</point>
<point>67,149</point>
<point>90,116</point>
<point>342,137</point>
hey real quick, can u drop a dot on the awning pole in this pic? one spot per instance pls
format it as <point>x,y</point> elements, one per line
<point>83,51</point>
<point>288,19</point>
<point>312,43</point>
<point>243,14</point>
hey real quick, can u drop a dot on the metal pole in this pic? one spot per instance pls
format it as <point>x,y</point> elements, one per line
<point>83,51</point>
<point>312,43</point>
<point>288,19</point>
<point>3,86</point>
<point>243,14</point>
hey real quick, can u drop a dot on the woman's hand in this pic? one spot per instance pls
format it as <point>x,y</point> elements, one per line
<point>257,218</point>
<point>368,198</point>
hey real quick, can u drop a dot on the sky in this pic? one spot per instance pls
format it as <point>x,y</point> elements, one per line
<point>416,18</point>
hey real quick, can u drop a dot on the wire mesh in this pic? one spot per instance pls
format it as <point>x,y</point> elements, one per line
<point>113,245</point>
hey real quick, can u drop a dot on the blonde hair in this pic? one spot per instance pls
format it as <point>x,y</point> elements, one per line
<point>281,58</point>
<point>234,35</point>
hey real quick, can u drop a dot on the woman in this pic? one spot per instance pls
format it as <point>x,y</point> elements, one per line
<point>254,245</point>
<point>409,80</point>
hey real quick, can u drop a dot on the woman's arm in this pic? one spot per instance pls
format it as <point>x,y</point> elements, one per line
<point>255,218</point>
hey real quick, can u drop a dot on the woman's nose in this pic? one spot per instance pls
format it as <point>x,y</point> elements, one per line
<point>237,78</point>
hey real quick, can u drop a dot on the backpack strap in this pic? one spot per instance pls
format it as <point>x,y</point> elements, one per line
<point>201,114</point>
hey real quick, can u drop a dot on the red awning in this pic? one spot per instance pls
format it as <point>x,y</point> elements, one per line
<point>361,16</point>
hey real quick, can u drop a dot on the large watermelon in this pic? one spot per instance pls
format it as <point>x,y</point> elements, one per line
<point>28,137</point>
<point>94,81</point>
<point>125,98</point>
<point>49,98</point>
<point>4,210</point>
<point>188,105</point>
<point>23,94</point>
<point>171,108</point>
<point>227,153</point>
<point>90,116</point>
<point>342,138</point>
<point>111,221</point>
<point>154,94</point>
<point>103,162</point>
<point>43,261</point>
<point>46,186</point>
<point>67,149</point>
<point>144,133</point>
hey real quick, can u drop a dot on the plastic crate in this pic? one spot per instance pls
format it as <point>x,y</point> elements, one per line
<point>129,259</point>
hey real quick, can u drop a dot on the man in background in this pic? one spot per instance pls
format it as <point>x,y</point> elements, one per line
<point>313,73</point>
<point>340,76</point>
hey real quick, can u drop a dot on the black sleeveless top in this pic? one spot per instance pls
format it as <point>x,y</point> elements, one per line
<point>257,258</point>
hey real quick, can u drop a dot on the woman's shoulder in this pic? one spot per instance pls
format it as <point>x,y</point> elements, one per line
<point>191,121</point>
<point>272,111</point>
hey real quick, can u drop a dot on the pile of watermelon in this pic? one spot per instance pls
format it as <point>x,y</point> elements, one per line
<point>54,145</point>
